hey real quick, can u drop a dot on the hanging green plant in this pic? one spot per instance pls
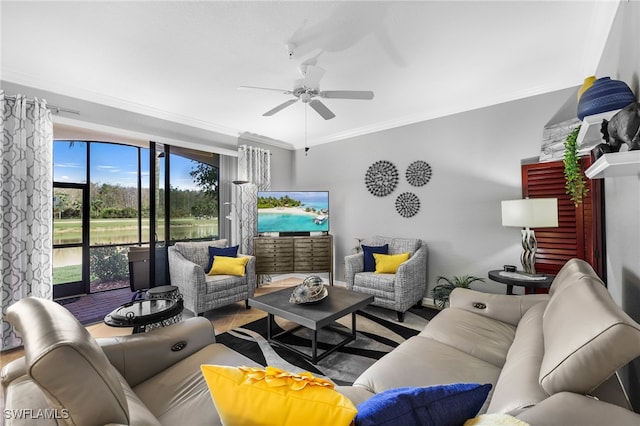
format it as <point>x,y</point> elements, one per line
<point>575,182</point>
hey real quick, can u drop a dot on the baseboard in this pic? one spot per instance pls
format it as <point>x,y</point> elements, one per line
<point>429,303</point>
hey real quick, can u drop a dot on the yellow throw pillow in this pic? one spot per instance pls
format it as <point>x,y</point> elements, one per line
<point>270,396</point>
<point>389,263</point>
<point>223,265</point>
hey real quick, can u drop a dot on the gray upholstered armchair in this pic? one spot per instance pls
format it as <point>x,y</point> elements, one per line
<point>201,292</point>
<point>397,291</point>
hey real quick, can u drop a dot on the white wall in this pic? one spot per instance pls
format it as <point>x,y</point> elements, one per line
<point>621,60</point>
<point>475,158</point>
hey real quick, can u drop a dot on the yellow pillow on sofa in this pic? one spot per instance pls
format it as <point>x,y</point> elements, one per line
<point>253,396</point>
<point>223,265</point>
<point>389,263</point>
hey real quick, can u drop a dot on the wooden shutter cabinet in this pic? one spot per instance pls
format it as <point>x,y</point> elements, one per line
<point>283,255</point>
<point>580,231</point>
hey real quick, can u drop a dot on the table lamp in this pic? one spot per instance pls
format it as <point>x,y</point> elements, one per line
<point>530,213</point>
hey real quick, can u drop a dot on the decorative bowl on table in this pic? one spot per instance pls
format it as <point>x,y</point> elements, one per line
<point>311,290</point>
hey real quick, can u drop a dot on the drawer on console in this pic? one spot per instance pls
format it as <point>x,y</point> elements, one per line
<point>273,251</point>
<point>274,263</point>
<point>311,243</point>
<point>312,266</point>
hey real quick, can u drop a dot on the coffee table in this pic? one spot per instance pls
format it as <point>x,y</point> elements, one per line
<point>315,316</point>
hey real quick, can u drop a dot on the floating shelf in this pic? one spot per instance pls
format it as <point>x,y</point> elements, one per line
<point>615,164</point>
<point>590,135</point>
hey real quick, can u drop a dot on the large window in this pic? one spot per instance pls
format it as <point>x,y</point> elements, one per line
<point>102,209</point>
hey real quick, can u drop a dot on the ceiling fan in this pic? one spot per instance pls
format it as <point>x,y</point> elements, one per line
<point>307,90</point>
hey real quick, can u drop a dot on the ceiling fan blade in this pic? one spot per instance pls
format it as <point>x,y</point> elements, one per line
<point>312,76</point>
<point>321,109</point>
<point>347,94</point>
<point>283,91</point>
<point>280,107</point>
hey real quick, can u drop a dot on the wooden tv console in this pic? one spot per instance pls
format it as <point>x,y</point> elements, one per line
<point>286,255</point>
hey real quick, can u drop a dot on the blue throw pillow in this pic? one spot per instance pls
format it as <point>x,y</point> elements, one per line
<point>221,251</point>
<point>369,260</point>
<point>444,405</point>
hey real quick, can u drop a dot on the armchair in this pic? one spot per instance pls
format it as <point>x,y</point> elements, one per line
<point>201,292</point>
<point>397,291</point>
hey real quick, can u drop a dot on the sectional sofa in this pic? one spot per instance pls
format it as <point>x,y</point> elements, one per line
<point>551,359</point>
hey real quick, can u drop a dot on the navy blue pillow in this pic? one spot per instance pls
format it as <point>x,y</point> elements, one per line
<point>369,260</point>
<point>444,405</point>
<point>221,251</point>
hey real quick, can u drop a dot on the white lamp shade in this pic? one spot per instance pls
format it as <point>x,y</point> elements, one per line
<point>530,213</point>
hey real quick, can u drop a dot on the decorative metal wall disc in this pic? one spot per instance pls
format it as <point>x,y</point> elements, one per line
<point>407,204</point>
<point>418,173</point>
<point>381,178</point>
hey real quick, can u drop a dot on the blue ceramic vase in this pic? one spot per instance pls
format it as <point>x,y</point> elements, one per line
<point>604,95</point>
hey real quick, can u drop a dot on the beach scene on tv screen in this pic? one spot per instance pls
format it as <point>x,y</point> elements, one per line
<point>293,211</point>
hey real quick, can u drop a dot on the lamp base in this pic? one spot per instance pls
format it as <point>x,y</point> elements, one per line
<point>529,248</point>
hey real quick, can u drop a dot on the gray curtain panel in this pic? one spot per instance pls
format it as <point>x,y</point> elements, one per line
<point>254,166</point>
<point>26,193</point>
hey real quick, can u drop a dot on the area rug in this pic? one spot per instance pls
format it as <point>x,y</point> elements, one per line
<point>377,334</point>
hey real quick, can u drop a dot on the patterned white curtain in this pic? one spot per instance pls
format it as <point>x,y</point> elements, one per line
<point>26,192</point>
<point>254,167</point>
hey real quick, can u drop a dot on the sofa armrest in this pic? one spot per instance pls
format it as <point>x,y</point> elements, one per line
<point>140,356</point>
<point>250,272</point>
<point>353,264</point>
<point>566,408</point>
<point>505,308</point>
<point>13,370</point>
<point>188,277</point>
<point>411,279</point>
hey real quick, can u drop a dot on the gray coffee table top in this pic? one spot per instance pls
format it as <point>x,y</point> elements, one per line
<point>337,304</point>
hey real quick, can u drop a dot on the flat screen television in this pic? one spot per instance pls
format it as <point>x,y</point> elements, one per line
<point>293,212</point>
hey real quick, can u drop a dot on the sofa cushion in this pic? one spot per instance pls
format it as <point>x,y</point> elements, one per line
<point>398,245</point>
<point>421,361</point>
<point>389,263</point>
<point>224,265</point>
<point>224,285</point>
<point>587,337</point>
<point>425,406</point>
<point>220,251</point>
<point>198,251</point>
<point>271,396</point>
<point>571,273</point>
<point>369,264</point>
<point>479,336</point>
<point>518,385</point>
<point>376,284</point>
<point>179,394</point>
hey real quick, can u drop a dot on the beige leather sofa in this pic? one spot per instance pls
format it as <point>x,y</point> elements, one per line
<point>67,377</point>
<point>552,359</point>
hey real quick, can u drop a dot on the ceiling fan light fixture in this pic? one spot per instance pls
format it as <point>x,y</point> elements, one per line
<point>307,89</point>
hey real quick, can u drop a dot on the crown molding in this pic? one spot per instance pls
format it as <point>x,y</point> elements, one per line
<point>430,115</point>
<point>254,137</point>
<point>23,79</point>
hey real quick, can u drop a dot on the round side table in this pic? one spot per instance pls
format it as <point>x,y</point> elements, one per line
<point>143,315</point>
<point>523,280</point>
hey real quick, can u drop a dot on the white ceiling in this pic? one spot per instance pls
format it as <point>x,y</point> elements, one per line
<point>184,61</point>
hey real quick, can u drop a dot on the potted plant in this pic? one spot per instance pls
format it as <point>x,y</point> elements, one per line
<point>445,286</point>
<point>575,183</point>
